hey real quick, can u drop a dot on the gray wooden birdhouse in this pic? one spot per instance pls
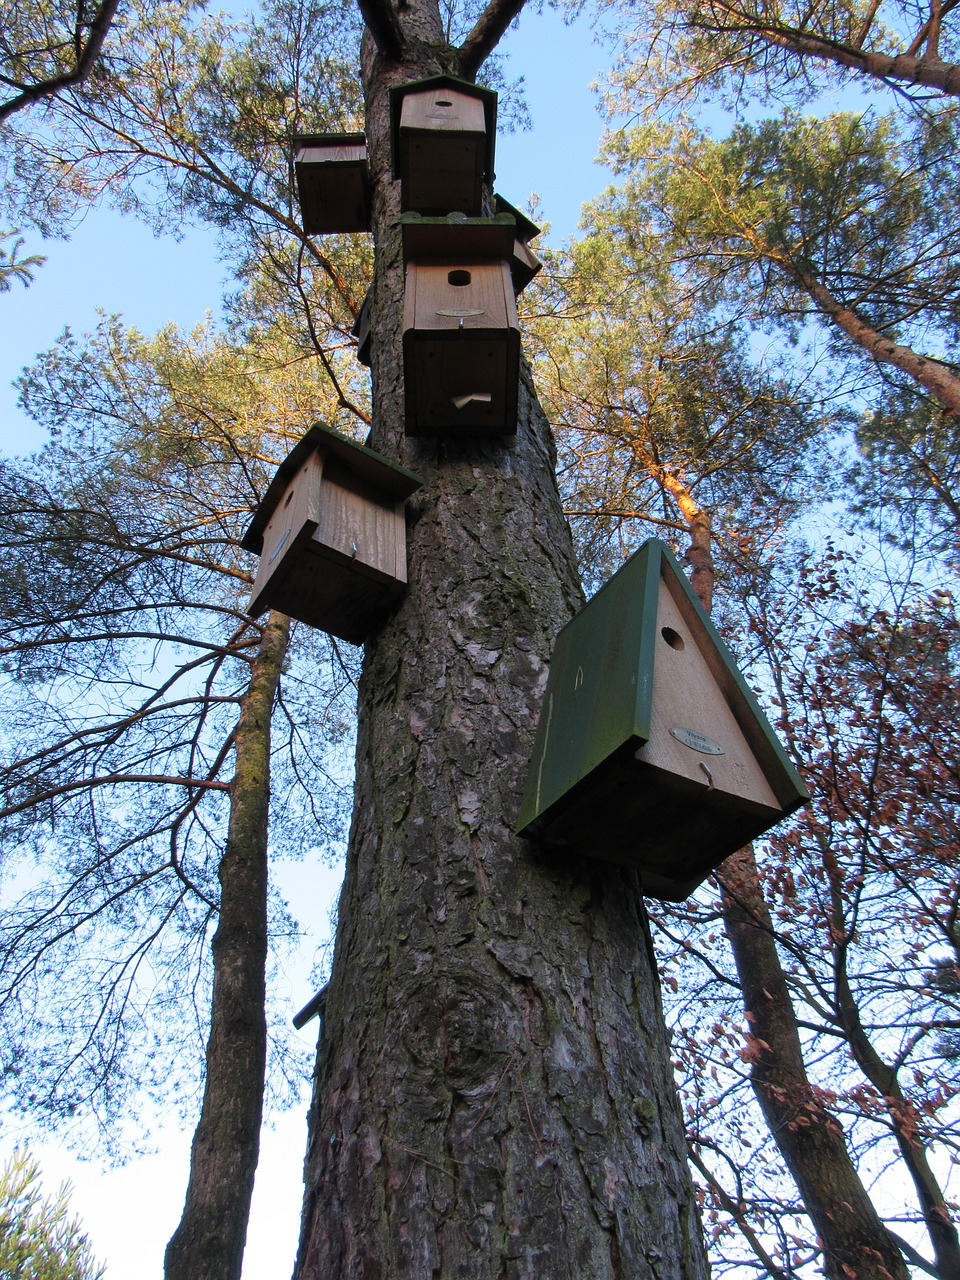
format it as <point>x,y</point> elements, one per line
<point>444,136</point>
<point>461,338</point>
<point>651,751</point>
<point>333,182</point>
<point>524,263</point>
<point>331,536</point>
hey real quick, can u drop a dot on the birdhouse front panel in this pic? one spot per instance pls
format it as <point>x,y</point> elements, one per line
<point>461,349</point>
<point>362,524</point>
<point>688,701</point>
<point>333,183</point>
<point>443,148</point>
<point>651,750</point>
<point>331,536</point>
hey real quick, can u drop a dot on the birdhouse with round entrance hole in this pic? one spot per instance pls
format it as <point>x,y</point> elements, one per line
<point>461,338</point>
<point>333,182</point>
<point>651,750</point>
<point>331,536</point>
<point>444,136</point>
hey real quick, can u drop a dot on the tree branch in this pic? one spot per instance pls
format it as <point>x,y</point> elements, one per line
<point>88,55</point>
<point>384,25</point>
<point>486,35</point>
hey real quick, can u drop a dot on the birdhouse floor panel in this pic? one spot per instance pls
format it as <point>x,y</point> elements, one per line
<point>674,830</point>
<point>331,592</point>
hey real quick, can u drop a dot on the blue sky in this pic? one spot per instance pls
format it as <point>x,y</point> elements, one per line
<point>115,265</point>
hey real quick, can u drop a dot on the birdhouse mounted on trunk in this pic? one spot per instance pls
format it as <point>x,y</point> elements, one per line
<point>331,536</point>
<point>444,135</point>
<point>524,263</point>
<point>461,338</point>
<point>651,751</point>
<point>333,182</point>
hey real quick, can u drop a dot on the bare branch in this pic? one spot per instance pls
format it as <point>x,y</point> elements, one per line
<point>486,35</point>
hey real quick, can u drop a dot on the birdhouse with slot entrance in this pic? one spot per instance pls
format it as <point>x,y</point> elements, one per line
<point>333,182</point>
<point>524,264</point>
<point>651,751</point>
<point>331,536</point>
<point>444,135</point>
<point>461,339</point>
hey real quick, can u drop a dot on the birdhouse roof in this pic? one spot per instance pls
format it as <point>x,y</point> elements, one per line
<point>526,230</point>
<point>374,467</point>
<point>456,236</point>
<point>487,96</point>
<point>616,633</point>
<point>328,140</point>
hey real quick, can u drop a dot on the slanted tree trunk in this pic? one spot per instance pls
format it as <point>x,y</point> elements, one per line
<point>810,1140</point>
<point>493,1094</point>
<point>208,1243</point>
<point>855,1241</point>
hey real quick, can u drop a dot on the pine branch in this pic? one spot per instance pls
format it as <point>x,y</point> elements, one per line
<point>486,35</point>
<point>87,57</point>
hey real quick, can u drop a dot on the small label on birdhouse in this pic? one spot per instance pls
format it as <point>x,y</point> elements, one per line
<point>697,741</point>
<point>460,311</point>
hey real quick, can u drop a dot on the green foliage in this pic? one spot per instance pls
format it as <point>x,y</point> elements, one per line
<point>12,265</point>
<point>38,1238</point>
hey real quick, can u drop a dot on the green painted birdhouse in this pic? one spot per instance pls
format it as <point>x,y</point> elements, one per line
<point>651,751</point>
<point>331,536</point>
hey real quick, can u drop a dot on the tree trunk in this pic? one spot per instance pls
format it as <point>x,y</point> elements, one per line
<point>855,1241</point>
<point>208,1243</point>
<point>493,1095</point>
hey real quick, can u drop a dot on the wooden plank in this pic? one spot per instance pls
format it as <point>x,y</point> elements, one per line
<point>361,523</point>
<point>291,525</point>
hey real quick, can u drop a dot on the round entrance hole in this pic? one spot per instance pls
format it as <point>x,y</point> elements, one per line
<point>458,277</point>
<point>673,638</point>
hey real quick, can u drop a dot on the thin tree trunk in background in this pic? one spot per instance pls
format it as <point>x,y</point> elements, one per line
<point>855,1241</point>
<point>493,1095</point>
<point>208,1243</point>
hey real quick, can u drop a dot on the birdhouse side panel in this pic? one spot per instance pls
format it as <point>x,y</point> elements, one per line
<point>292,525</point>
<point>362,524</point>
<point>596,706</point>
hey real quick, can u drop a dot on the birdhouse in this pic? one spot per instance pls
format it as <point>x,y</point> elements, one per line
<point>361,329</point>
<point>444,135</point>
<point>331,536</point>
<point>524,263</point>
<point>461,339</point>
<point>333,182</point>
<point>651,751</point>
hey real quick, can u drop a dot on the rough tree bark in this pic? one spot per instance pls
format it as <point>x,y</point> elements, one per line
<point>493,1094</point>
<point>208,1243</point>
